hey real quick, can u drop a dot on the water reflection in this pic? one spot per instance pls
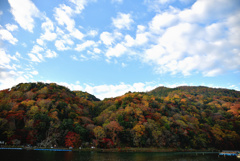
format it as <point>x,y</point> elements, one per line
<point>13,155</point>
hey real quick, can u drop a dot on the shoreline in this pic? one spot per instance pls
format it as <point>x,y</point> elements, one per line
<point>125,149</point>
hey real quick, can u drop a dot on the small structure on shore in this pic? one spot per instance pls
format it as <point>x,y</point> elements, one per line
<point>229,153</point>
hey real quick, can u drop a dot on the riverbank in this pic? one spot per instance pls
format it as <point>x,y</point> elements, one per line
<point>125,149</point>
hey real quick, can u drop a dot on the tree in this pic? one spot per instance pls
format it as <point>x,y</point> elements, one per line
<point>114,128</point>
<point>137,132</point>
<point>72,139</point>
<point>99,132</point>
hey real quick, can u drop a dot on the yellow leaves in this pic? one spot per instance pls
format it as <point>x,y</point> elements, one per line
<point>181,123</point>
<point>138,112</point>
<point>33,110</point>
<point>44,90</point>
<point>129,110</point>
<point>99,132</point>
<point>28,103</point>
<point>217,132</point>
<point>166,99</point>
<point>139,130</point>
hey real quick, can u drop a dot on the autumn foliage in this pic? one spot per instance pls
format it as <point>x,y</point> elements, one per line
<point>72,139</point>
<point>184,117</point>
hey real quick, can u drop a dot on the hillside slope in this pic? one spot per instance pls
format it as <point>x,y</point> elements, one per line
<point>184,117</point>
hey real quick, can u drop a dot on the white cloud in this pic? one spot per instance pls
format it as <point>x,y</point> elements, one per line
<point>107,38</point>
<point>109,91</point>
<point>161,21</point>
<point>157,5</point>
<point>49,36</point>
<point>116,51</point>
<point>63,16</point>
<point>37,49</point>
<point>79,5</point>
<point>8,74</point>
<point>50,54</point>
<point>1,12</point>
<point>141,38</point>
<point>48,28</point>
<point>83,46</point>
<point>35,54</point>
<point>6,35</point>
<point>40,42</point>
<point>92,33</point>
<point>11,80</point>
<point>204,11</point>
<point>129,41</point>
<point>34,58</point>
<point>64,43</point>
<point>34,72</point>
<point>203,38</point>
<point>74,57</point>
<point>5,58</point>
<point>77,34</point>
<point>47,25</point>
<point>60,45</point>
<point>97,50</point>
<point>123,21</point>
<point>23,12</point>
<point>11,27</point>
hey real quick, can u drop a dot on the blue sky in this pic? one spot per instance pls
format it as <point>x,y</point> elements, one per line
<point>110,47</point>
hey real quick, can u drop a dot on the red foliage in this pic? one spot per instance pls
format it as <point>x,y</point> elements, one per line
<point>17,115</point>
<point>31,137</point>
<point>72,139</point>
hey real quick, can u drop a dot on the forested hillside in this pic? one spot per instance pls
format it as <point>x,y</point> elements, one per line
<point>185,117</point>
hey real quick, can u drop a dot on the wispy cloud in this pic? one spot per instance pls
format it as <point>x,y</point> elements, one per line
<point>24,12</point>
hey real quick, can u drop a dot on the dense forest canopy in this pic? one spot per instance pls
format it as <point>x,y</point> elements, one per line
<point>184,117</point>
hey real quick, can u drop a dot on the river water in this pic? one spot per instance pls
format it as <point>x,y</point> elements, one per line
<point>31,155</point>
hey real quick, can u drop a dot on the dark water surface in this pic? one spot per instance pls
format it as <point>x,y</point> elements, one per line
<point>31,155</point>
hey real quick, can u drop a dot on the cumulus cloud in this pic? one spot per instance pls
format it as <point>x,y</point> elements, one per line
<point>107,38</point>
<point>77,34</point>
<point>6,35</point>
<point>11,27</point>
<point>116,51</point>
<point>198,39</point>
<point>48,29</point>
<point>122,21</point>
<point>50,54</point>
<point>24,12</point>
<point>109,91</point>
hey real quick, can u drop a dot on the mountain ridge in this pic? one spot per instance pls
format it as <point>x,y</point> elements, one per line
<point>45,114</point>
